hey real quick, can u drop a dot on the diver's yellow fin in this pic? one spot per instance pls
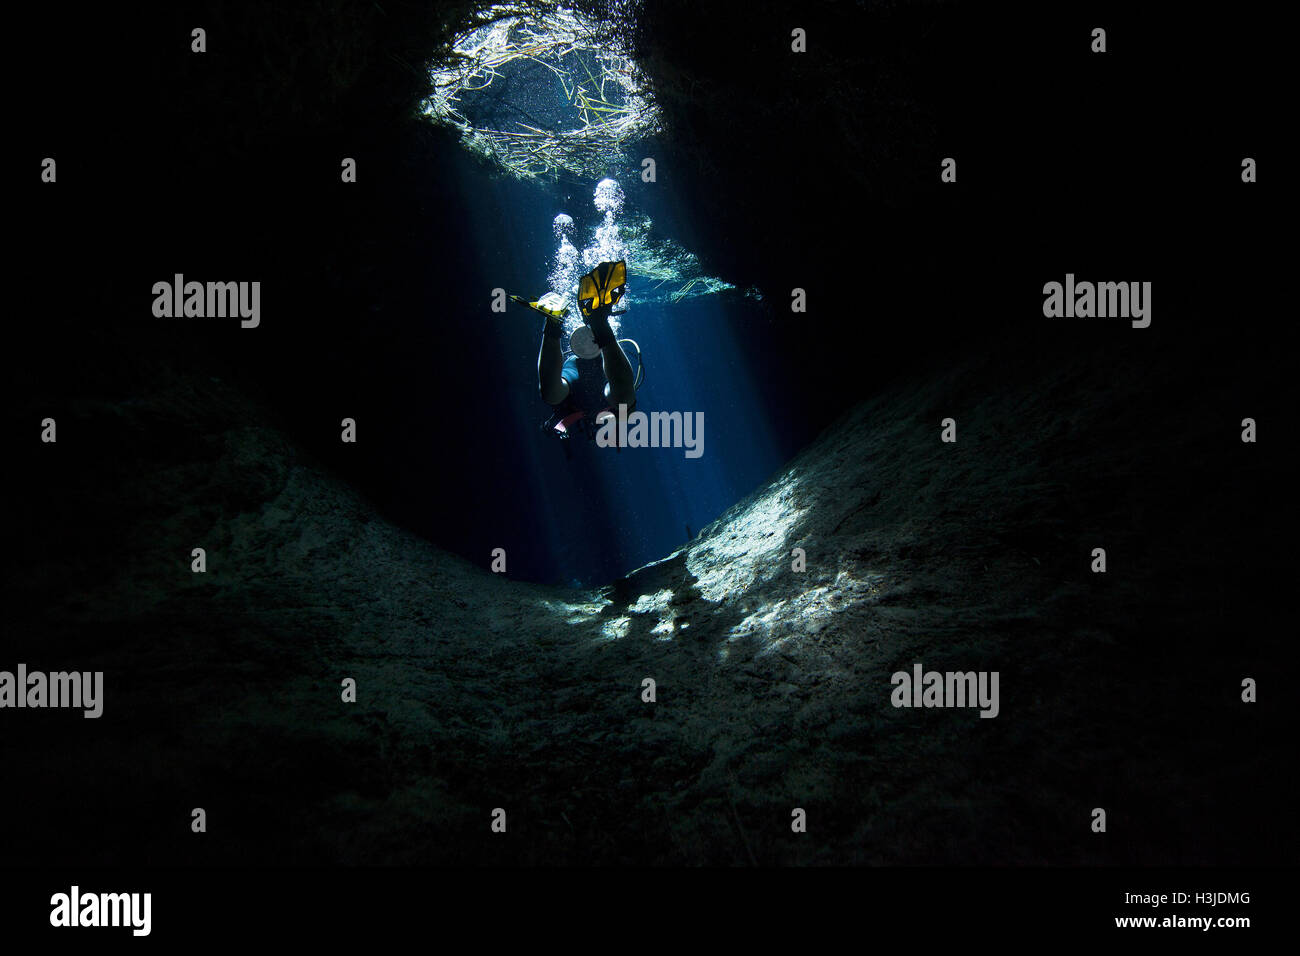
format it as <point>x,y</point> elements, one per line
<point>602,286</point>
<point>537,306</point>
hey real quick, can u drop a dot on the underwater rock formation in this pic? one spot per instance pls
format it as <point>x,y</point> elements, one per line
<point>772,686</point>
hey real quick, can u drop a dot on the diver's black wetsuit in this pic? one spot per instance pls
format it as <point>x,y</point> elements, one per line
<point>586,394</point>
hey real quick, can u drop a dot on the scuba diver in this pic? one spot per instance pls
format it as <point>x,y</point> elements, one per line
<point>570,383</point>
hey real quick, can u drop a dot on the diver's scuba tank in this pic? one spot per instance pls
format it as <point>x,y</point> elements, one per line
<point>583,343</point>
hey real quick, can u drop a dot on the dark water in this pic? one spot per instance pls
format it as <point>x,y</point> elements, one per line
<point>445,390</point>
<point>595,513</point>
<point>377,295</point>
<point>377,306</point>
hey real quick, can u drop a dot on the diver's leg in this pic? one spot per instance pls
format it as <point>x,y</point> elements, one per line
<point>550,365</point>
<point>620,388</point>
<point>620,381</point>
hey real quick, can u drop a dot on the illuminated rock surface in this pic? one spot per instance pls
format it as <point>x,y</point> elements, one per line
<point>475,692</point>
